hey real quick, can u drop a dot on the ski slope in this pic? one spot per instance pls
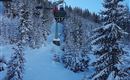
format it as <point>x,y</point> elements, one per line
<point>39,63</point>
<point>40,66</point>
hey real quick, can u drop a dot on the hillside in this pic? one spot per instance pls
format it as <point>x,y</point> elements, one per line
<point>42,40</point>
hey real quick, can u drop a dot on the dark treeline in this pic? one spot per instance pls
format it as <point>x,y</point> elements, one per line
<point>84,13</point>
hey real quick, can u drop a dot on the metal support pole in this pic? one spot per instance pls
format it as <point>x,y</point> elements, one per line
<point>56,31</point>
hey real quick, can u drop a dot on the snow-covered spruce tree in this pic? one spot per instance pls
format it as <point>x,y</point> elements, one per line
<point>120,13</point>
<point>75,53</point>
<point>16,64</point>
<point>28,33</point>
<point>37,21</point>
<point>126,19</point>
<point>108,53</point>
<point>41,20</point>
<point>107,41</point>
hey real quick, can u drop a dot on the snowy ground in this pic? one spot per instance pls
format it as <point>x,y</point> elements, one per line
<point>40,65</point>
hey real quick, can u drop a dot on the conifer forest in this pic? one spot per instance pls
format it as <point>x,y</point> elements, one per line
<point>62,40</point>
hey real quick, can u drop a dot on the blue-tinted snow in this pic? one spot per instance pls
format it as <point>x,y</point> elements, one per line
<point>39,62</point>
<point>40,65</point>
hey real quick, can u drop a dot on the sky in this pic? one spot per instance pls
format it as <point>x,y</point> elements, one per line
<point>92,5</point>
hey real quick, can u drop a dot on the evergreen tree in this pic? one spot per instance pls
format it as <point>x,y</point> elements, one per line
<point>37,21</point>
<point>16,64</point>
<point>75,52</point>
<point>126,19</point>
<point>41,20</point>
<point>95,18</point>
<point>86,14</point>
<point>109,52</point>
<point>107,40</point>
<point>32,31</point>
<point>115,12</point>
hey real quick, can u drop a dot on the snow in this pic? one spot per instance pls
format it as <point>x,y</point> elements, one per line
<point>111,76</point>
<point>92,58</point>
<point>5,51</point>
<point>100,73</point>
<point>39,63</point>
<point>97,39</point>
<point>2,75</point>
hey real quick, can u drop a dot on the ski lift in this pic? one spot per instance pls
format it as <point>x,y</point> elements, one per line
<point>59,15</point>
<point>56,42</point>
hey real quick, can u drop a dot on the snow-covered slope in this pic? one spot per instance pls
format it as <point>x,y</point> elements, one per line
<point>39,63</point>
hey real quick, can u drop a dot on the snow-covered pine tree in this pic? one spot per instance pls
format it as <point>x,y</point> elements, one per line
<point>41,20</point>
<point>16,64</point>
<point>107,41</point>
<point>37,21</point>
<point>126,19</point>
<point>27,32</point>
<point>75,52</point>
<point>120,13</point>
<point>109,52</point>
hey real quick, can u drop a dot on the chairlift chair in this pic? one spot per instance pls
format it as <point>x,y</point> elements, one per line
<point>59,15</point>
